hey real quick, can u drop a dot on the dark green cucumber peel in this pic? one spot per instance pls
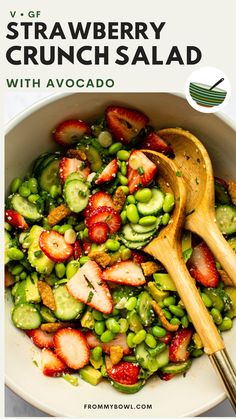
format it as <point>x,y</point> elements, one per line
<point>129,389</point>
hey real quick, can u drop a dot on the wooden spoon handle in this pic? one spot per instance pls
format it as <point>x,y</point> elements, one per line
<point>201,319</point>
<point>221,249</point>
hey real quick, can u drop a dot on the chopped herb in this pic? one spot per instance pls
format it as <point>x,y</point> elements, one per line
<point>70,379</point>
<point>38,253</point>
<point>90,296</point>
<point>35,363</point>
<point>198,160</point>
<point>190,212</point>
<point>197,181</point>
<point>82,194</point>
<point>187,157</point>
<point>178,173</point>
<point>140,171</point>
<point>187,254</point>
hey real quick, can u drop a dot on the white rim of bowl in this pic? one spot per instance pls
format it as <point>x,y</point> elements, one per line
<point>8,127</point>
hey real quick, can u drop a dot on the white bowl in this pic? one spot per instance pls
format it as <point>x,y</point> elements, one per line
<point>28,136</point>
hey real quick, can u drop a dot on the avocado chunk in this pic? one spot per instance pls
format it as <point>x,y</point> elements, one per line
<point>231,291</point>
<point>87,320</point>
<point>40,262</point>
<point>90,375</point>
<point>31,290</point>
<point>164,282</point>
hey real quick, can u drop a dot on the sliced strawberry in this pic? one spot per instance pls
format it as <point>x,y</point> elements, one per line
<point>72,348</point>
<point>202,266</point>
<point>178,350</point>
<point>15,219</point>
<point>99,199</point>
<point>138,256</point>
<point>156,143</point>
<point>51,364</point>
<point>166,376</point>
<point>125,123</point>
<point>124,372</point>
<point>77,250</point>
<point>68,166</point>
<point>86,246</point>
<point>70,132</point>
<point>109,173</point>
<point>87,286</point>
<point>125,272</point>
<point>41,339</point>
<point>9,279</point>
<point>119,340</point>
<point>107,215</point>
<point>98,232</point>
<point>167,338</point>
<point>54,246</point>
<point>141,170</point>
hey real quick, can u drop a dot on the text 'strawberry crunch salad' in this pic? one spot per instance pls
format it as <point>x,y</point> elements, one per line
<point>83,290</point>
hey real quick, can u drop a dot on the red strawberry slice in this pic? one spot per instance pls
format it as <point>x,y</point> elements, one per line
<point>109,173</point>
<point>125,123</point>
<point>106,215</point>
<point>68,166</point>
<point>119,340</point>
<point>125,272</point>
<point>98,232</point>
<point>156,143</point>
<point>178,350</point>
<point>99,199</point>
<point>70,132</point>
<point>15,219</point>
<point>202,266</point>
<point>51,364</point>
<point>141,170</point>
<point>77,250</point>
<point>124,372</point>
<point>138,256</point>
<point>54,246</point>
<point>9,279</point>
<point>86,246</point>
<point>167,338</point>
<point>87,286</point>
<point>41,339</point>
<point>72,348</point>
<point>166,376</point>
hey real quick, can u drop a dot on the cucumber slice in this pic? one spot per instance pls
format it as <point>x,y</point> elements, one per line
<point>144,308</point>
<point>142,355</point>
<point>177,368</point>
<point>163,358</point>
<point>39,161</point>
<point>73,176</point>
<point>94,158</point>
<point>47,315</point>
<point>130,235</point>
<point>137,228</point>
<point>25,208</point>
<point>232,243</point>
<point>49,175</point>
<point>26,316</point>
<point>76,195</point>
<point>154,206</point>
<point>133,245</point>
<point>226,218</point>
<point>42,264</point>
<point>67,307</point>
<point>130,389</point>
<point>20,292</point>
<point>7,245</point>
<point>221,193</point>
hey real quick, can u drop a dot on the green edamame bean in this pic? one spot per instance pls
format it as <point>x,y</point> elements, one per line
<point>132,213</point>
<point>175,321</point>
<point>169,202</point>
<point>216,316</point>
<point>83,260</point>
<point>124,325</point>
<point>130,358</point>
<point>143,195</point>
<point>122,179</point>
<point>115,312</point>
<point>71,268</point>
<point>139,337</point>
<point>33,185</point>
<point>169,301</point>
<point>131,199</point>
<point>15,184</point>
<point>226,324</point>
<point>97,315</point>
<point>96,353</point>
<point>17,270</point>
<point>23,275</point>
<point>123,168</point>
<point>112,245</point>
<point>157,350</point>
<point>114,148</point>
<point>54,191</point>
<point>126,254</point>
<point>185,321</point>
<point>148,220</point>
<point>64,228</point>
<point>125,189</point>
<point>168,315</point>
<point>176,310</point>
<point>99,327</point>
<point>123,216</point>
<point>33,198</point>
<point>129,340</point>
<point>56,228</point>
<point>107,336</point>
<point>85,233</point>
<point>60,270</point>
<point>165,219</point>
<point>15,254</point>
<point>112,325</point>
<point>196,353</point>
<point>158,331</point>
<point>123,155</point>
<point>131,303</point>
<point>206,300</point>
<point>24,191</point>
<point>150,341</point>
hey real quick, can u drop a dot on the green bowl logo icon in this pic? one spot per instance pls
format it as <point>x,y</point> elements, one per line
<point>205,95</point>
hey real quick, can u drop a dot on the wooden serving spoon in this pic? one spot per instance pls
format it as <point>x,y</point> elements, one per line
<point>194,166</point>
<point>167,248</point>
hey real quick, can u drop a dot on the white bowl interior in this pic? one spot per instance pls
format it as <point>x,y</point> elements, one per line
<point>27,137</point>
